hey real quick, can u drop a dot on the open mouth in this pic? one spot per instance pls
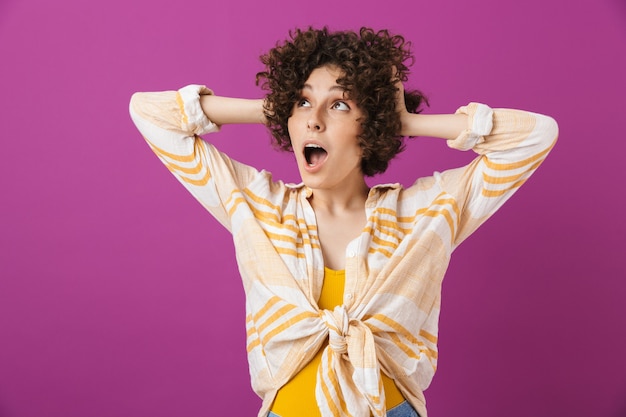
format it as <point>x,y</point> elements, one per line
<point>314,154</point>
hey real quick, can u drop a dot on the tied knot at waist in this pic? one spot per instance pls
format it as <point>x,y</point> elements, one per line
<point>338,324</point>
<point>351,357</point>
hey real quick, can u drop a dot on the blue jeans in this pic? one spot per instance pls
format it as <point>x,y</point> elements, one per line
<point>401,410</point>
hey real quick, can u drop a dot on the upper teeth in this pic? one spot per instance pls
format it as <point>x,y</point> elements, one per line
<point>312,145</point>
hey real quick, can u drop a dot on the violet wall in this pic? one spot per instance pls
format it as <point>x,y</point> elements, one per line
<point>119,295</point>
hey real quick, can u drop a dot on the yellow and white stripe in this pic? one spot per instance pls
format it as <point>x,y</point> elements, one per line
<point>394,269</point>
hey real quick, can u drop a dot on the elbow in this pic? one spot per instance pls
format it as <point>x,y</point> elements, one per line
<point>554,130</point>
<point>136,109</point>
<point>550,129</point>
<point>554,127</point>
<point>139,108</point>
<point>135,103</point>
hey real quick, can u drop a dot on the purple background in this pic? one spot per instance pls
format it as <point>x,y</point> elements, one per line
<point>119,295</point>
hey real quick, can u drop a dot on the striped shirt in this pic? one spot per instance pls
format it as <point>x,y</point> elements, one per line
<point>394,268</point>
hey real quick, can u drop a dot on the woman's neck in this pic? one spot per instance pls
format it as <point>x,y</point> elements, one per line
<point>343,200</point>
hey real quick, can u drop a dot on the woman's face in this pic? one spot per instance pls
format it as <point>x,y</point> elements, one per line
<point>323,128</point>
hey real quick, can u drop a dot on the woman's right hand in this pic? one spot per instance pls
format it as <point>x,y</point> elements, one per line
<point>405,116</point>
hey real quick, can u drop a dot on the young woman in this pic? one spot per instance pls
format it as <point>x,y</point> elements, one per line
<point>342,281</point>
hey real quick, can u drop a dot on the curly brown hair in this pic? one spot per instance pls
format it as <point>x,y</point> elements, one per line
<point>371,63</point>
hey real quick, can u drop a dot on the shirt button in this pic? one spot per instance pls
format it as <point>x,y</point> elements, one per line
<point>348,296</point>
<point>352,254</point>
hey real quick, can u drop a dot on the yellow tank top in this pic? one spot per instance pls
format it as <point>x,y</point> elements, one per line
<point>297,397</point>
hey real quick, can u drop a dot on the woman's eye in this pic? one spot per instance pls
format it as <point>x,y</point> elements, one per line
<point>340,105</point>
<point>304,103</point>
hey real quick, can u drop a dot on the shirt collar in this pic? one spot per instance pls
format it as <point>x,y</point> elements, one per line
<point>374,190</point>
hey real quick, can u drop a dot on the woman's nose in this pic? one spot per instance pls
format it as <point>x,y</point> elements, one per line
<point>314,125</point>
<point>314,122</point>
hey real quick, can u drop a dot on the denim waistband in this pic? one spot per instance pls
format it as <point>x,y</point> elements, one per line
<point>403,409</point>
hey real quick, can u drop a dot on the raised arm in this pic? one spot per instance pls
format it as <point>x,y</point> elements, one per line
<point>172,122</point>
<point>219,110</point>
<point>445,126</point>
<point>226,110</point>
<point>511,144</point>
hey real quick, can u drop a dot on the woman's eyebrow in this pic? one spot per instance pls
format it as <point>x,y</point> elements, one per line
<point>335,87</point>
